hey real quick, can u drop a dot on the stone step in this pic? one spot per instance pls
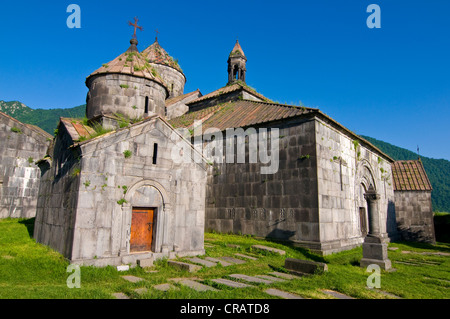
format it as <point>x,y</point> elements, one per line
<point>269,249</point>
<point>245,256</point>
<point>283,275</point>
<point>184,266</point>
<point>165,287</point>
<point>282,294</point>
<point>203,262</point>
<point>231,283</point>
<point>336,294</point>
<point>251,279</point>
<point>222,262</point>
<point>196,285</point>
<point>233,260</point>
<point>145,263</point>
<point>132,279</point>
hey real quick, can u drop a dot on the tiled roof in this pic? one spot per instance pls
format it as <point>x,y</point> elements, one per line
<point>156,54</point>
<point>130,62</point>
<point>229,89</point>
<point>77,129</point>
<point>237,50</point>
<point>241,113</point>
<point>410,176</point>
<point>180,98</point>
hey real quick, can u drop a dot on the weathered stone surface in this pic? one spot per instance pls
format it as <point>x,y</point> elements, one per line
<point>246,256</point>
<point>283,275</point>
<point>281,294</point>
<point>269,249</point>
<point>233,260</point>
<point>336,294</point>
<point>123,268</point>
<point>132,279</point>
<point>165,287</point>
<point>271,278</point>
<point>144,263</point>
<point>141,291</point>
<point>196,285</point>
<point>203,262</point>
<point>184,266</point>
<point>216,260</point>
<point>120,295</point>
<point>299,266</point>
<point>251,279</point>
<point>231,283</point>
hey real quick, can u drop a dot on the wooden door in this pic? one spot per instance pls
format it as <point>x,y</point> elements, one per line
<point>142,225</point>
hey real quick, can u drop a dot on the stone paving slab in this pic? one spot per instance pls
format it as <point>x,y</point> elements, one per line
<point>120,295</point>
<point>132,279</point>
<point>282,294</point>
<point>233,260</point>
<point>141,291</point>
<point>184,266</point>
<point>233,246</point>
<point>196,285</point>
<point>335,294</point>
<point>231,283</point>
<point>165,287</point>
<point>222,262</point>
<point>271,278</point>
<point>283,275</point>
<point>269,249</point>
<point>251,279</point>
<point>245,256</point>
<point>203,262</point>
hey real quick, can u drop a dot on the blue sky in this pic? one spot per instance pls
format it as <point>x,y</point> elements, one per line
<point>390,83</point>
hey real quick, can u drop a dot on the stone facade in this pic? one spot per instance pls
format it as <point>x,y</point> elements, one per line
<point>174,79</point>
<point>415,216</point>
<point>314,198</point>
<point>22,145</point>
<point>88,193</point>
<point>134,97</point>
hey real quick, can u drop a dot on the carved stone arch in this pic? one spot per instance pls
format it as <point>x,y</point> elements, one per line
<point>364,177</point>
<point>150,194</point>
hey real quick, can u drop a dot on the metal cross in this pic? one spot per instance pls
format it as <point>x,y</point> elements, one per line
<point>135,25</point>
<point>157,32</point>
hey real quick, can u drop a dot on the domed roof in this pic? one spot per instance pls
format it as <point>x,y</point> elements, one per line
<point>131,62</point>
<point>237,50</point>
<point>156,54</point>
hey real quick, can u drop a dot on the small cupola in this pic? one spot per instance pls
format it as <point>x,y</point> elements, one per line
<point>236,64</point>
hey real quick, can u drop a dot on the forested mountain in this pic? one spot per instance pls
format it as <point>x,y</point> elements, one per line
<point>438,170</point>
<point>45,119</point>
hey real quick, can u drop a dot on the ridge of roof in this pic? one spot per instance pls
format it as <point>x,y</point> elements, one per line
<point>180,97</point>
<point>32,127</point>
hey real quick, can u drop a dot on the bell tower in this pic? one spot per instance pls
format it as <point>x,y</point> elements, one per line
<point>236,64</point>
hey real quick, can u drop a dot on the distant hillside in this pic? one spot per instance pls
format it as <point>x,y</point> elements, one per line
<point>438,171</point>
<point>45,119</point>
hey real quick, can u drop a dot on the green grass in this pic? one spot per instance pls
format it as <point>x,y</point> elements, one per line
<point>30,270</point>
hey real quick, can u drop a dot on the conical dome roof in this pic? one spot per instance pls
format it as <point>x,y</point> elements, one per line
<point>237,50</point>
<point>132,63</point>
<point>156,54</point>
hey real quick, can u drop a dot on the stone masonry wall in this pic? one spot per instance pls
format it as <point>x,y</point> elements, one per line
<point>174,80</point>
<point>415,215</point>
<point>282,205</point>
<point>112,184</point>
<point>119,93</point>
<point>344,164</point>
<point>20,148</point>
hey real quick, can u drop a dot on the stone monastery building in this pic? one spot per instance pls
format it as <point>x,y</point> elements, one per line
<point>112,193</point>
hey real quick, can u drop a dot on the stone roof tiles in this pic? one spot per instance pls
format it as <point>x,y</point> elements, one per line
<point>156,54</point>
<point>237,50</point>
<point>410,176</point>
<point>132,63</point>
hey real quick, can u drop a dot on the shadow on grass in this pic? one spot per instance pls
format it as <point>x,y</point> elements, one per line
<point>306,252</point>
<point>29,224</point>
